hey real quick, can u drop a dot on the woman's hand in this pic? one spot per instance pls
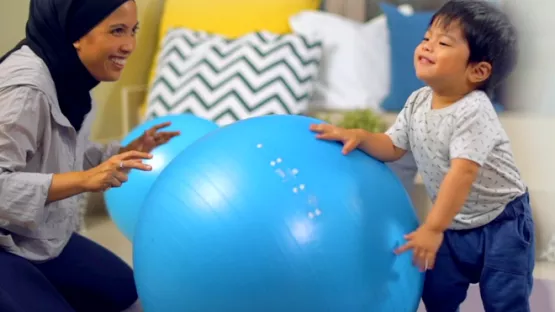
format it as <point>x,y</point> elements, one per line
<point>151,139</point>
<point>350,138</point>
<point>113,172</point>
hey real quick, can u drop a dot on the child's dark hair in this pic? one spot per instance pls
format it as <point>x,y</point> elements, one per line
<point>490,35</point>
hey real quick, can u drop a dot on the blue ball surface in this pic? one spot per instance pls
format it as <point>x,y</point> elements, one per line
<point>260,215</point>
<point>123,203</point>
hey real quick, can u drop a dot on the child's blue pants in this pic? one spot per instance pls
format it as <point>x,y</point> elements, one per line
<point>499,256</point>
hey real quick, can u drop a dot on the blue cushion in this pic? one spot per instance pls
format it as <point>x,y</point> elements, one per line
<point>405,33</point>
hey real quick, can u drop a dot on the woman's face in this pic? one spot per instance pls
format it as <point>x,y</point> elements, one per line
<point>106,48</point>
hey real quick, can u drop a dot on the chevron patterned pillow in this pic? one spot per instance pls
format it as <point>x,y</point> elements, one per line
<point>226,80</point>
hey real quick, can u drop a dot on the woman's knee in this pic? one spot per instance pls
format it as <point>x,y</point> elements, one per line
<point>20,280</point>
<point>135,307</point>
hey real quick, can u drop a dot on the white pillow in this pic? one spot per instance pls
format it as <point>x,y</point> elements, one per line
<point>355,66</point>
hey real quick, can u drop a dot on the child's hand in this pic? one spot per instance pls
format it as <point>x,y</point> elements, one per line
<point>425,241</point>
<point>349,137</point>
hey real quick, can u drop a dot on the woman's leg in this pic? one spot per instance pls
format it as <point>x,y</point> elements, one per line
<point>91,278</point>
<point>23,288</point>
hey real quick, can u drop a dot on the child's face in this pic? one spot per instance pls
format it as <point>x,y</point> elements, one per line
<point>441,59</point>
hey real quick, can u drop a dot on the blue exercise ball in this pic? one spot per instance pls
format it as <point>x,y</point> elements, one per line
<point>123,203</point>
<point>260,215</point>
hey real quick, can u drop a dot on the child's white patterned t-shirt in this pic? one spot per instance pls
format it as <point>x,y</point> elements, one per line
<point>467,129</point>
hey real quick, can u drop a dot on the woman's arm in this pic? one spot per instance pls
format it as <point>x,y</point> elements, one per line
<point>96,153</point>
<point>64,185</point>
<point>23,195</point>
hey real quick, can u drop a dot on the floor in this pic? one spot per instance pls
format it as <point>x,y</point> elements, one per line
<point>102,230</point>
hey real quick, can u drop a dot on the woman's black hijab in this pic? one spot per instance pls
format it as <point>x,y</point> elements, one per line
<point>52,28</point>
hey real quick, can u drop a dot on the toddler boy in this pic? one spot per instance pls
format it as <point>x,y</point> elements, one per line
<point>480,228</point>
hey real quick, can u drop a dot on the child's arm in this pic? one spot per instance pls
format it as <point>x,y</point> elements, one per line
<point>387,147</point>
<point>452,194</point>
<point>380,146</point>
<point>475,135</point>
<point>377,145</point>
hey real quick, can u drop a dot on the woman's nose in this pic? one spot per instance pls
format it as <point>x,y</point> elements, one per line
<point>127,48</point>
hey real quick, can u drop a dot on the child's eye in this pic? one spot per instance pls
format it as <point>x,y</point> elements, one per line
<point>444,44</point>
<point>425,39</point>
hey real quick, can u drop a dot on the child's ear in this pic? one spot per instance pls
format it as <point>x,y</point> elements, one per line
<point>480,72</point>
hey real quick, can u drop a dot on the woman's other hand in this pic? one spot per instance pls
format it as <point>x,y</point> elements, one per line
<point>151,139</point>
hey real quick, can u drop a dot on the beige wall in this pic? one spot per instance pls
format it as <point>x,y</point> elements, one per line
<point>13,16</point>
<point>531,88</point>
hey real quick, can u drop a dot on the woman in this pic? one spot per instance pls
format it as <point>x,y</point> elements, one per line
<point>46,164</point>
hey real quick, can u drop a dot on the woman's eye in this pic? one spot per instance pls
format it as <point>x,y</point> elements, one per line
<point>118,31</point>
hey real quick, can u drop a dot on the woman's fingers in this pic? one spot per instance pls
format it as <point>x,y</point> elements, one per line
<point>152,131</point>
<point>114,182</point>
<point>164,137</point>
<point>132,155</point>
<point>121,176</point>
<point>134,164</point>
<point>160,126</point>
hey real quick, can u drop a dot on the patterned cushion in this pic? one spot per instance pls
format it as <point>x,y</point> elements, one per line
<point>226,80</point>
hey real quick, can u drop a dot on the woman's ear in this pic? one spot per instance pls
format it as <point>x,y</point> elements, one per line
<point>479,72</point>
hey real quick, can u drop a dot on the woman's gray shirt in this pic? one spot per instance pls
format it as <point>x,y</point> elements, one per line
<point>37,141</point>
